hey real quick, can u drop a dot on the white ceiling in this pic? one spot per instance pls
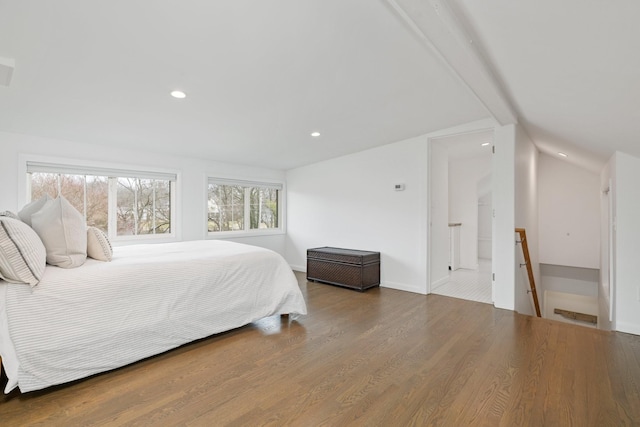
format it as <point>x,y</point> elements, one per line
<point>261,76</point>
<point>571,69</point>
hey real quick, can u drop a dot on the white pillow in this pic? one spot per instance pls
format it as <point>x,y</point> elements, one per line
<point>98,245</point>
<point>31,208</point>
<point>63,231</point>
<point>22,254</point>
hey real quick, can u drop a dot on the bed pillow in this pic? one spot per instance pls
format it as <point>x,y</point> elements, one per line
<point>22,254</point>
<point>31,208</point>
<point>63,231</point>
<point>98,245</point>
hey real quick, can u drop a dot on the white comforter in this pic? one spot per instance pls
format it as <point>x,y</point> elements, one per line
<point>149,299</point>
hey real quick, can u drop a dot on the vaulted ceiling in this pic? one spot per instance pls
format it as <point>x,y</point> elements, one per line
<point>261,76</point>
<point>571,70</point>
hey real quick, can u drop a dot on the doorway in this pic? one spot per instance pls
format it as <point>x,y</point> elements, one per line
<point>461,223</point>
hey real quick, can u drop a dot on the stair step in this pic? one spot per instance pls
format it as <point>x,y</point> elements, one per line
<point>576,316</point>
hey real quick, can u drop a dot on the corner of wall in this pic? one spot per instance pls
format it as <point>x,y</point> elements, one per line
<point>504,206</point>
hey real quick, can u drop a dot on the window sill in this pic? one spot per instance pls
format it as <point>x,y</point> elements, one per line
<point>241,234</point>
<point>142,239</point>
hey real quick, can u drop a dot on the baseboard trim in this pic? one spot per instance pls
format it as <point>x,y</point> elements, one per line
<point>402,287</point>
<point>386,284</point>
<point>298,268</point>
<point>628,328</point>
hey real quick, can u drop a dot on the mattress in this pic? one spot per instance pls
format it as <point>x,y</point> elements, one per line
<point>149,299</point>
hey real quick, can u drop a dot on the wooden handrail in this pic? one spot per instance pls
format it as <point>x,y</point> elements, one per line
<point>527,260</point>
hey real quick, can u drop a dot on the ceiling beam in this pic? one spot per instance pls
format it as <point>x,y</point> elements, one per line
<point>435,23</point>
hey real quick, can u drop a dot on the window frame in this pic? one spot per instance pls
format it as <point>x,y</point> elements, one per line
<point>247,231</point>
<point>98,169</point>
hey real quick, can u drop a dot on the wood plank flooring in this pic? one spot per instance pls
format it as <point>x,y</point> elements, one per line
<point>382,357</point>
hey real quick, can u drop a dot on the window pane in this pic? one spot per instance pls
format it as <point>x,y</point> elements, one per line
<point>72,187</point>
<point>44,183</point>
<point>98,202</point>
<point>126,207</point>
<point>226,208</point>
<point>144,206</point>
<point>163,207</point>
<point>213,209</point>
<point>264,208</point>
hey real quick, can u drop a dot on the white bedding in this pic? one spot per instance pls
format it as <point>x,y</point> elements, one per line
<point>149,299</point>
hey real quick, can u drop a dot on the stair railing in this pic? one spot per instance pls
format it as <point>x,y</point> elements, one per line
<point>527,262</point>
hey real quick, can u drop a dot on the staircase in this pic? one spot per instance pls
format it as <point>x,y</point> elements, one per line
<point>560,303</point>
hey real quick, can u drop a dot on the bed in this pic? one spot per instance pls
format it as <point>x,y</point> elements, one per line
<point>149,299</point>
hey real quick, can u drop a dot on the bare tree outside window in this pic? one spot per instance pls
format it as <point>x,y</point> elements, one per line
<point>143,206</point>
<point>72,188</point>
<point>264,207</point>
<point>226,207</point>
<point>42,184</point>
<point>229,205</point>
<point>98,202</point>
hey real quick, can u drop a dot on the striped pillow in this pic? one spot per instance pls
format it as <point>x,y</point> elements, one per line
<point>22,254</point>
<point>10,215</point>
<point>98,245</point>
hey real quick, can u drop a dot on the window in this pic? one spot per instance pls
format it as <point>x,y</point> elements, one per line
<point>119,202</point>
<point>241,206</point>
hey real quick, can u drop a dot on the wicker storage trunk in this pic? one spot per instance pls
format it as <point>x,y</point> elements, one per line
<point>344,267</point>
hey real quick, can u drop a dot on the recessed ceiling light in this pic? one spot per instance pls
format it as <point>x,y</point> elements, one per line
<point>178,94</point>
<point>561,154</point>
<point>484,144</point>
<point>315,134</point>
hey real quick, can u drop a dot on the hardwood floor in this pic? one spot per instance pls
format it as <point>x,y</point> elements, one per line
<point>382,357</point>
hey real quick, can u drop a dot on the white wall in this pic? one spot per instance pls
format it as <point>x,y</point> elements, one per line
<point>464,177</point>
<point>569,214</point>
<point>526,212</point>
<point>191,210</point>
<point>607,247</point>
<point>439,219</point>
<point>350,202</point>
<point>503,254</point>
<point>569,280</point>
<point>627,246</point>
<point>485,223</point>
